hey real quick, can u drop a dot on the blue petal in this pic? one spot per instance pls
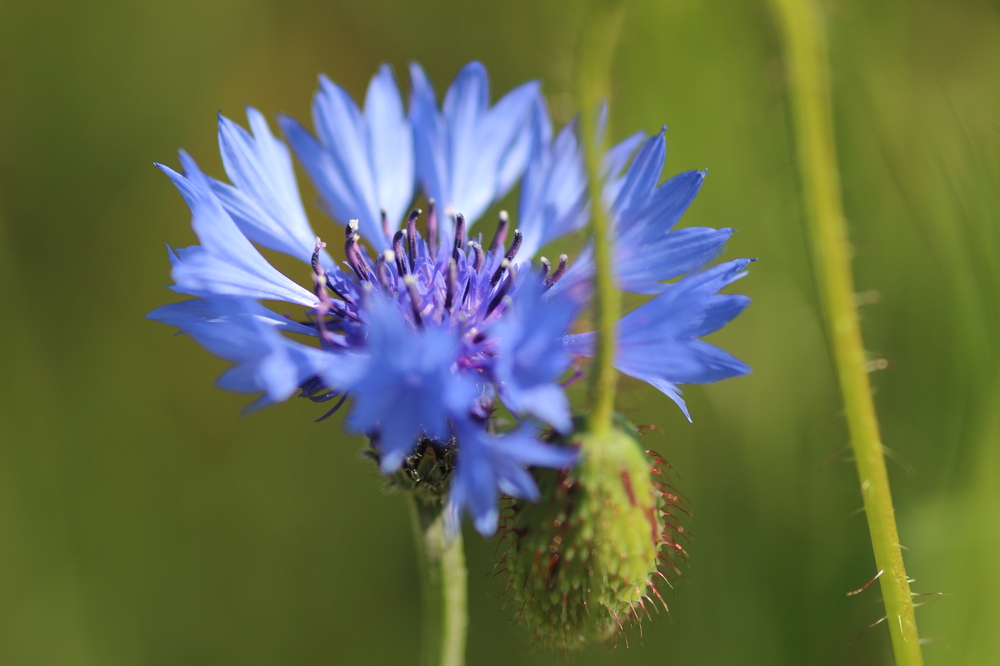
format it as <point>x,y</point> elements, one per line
<point>667,202</point>
<point>363,163</point>
<point>197,310</point>
<point>554,190</point>
<point>391,141</point>
<point>719,311</point>
<point>408,388</point>
<point>226,263</point>
<point>642,175</point>
<point>264,198</point>
<point>469,155</point>
<point>531,357</point>
<point>430,141</point>
<point>341,128</point>
<point>267,362</point>
<point>643,260</point>
<point>658,341</point>
<point>326,175</point>
<point>474,159</point>
<point>488,465</point>
<point>672,392</point>
<point>515,160</point>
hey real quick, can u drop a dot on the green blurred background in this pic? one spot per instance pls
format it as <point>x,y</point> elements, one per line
<point>143,521</point>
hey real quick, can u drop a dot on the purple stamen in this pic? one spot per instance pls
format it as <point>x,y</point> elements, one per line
<point>397,249</point>
<point>459,236</point>
<point>340,403</point>
<point>325,304</point>
<point>352,250</point>
<point>508,258</point>
<point>546,266</point>
<point>416,302</point>
<point>502,291</point>
<point>382,270</point>
<point>314,262</point>
<point>501,234</point>
<point>411,236</point>
<point>515,245</point>
<point>480,258</point>
<point>451,284</point>
<point>563,265</point>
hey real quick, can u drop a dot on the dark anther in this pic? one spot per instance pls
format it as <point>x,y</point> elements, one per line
<point>480,257</point>
<point>502,291</point>
<point>385,224</point>
<point>507,259</point>
<point>415,301</point>
<point>432,228</point>
<point>514,246</point>
<point>563,265</point>
<point>397,249</point>
<point>316,385</point>
<point>411,236</point>
<point>459,236</point>
<point>501,234</point>
<point>451,284</point>
<point>546,266</point>
<point>498,273</point>
<point>340,403</point>
<point>468,286</point>
<point>382,270</point>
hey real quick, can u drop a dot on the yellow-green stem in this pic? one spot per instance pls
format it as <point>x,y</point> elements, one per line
<point>596,53</point>
<point>805,53</point>
<point>443,586</point>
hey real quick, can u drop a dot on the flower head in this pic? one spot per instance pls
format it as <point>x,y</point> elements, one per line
<point>429,328</point>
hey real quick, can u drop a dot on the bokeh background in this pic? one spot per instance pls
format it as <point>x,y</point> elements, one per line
<point>143,521</point>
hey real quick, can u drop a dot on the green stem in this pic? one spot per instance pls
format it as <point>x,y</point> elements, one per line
<point>809,88</point>
<point>443,583</point>
<point>598,42</point>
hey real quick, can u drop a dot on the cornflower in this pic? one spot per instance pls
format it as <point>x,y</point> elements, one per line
<point>427,328</point>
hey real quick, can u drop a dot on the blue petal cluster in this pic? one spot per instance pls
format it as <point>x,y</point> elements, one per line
<point>429,330</point>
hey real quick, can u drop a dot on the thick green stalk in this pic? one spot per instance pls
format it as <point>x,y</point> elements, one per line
<point>809,88</point>
<point>597,47</point>
<point>443,583</point>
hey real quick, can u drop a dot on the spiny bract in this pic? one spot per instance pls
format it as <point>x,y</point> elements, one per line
<point>584,559</point>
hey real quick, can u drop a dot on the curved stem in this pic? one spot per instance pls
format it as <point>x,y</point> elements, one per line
<point>443,586</point>
<point>809,89</point>
<point>597,47</point>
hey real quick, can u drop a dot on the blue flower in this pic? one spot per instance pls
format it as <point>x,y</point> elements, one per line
<point>428,328</point>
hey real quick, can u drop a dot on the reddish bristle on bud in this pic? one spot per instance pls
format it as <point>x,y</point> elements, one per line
<point>584,562</point>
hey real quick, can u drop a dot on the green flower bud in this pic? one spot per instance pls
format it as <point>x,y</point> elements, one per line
<point>585,558</point>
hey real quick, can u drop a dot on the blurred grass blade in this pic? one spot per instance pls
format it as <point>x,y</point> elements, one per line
<point>596,53</point>
<point>806,66</point>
